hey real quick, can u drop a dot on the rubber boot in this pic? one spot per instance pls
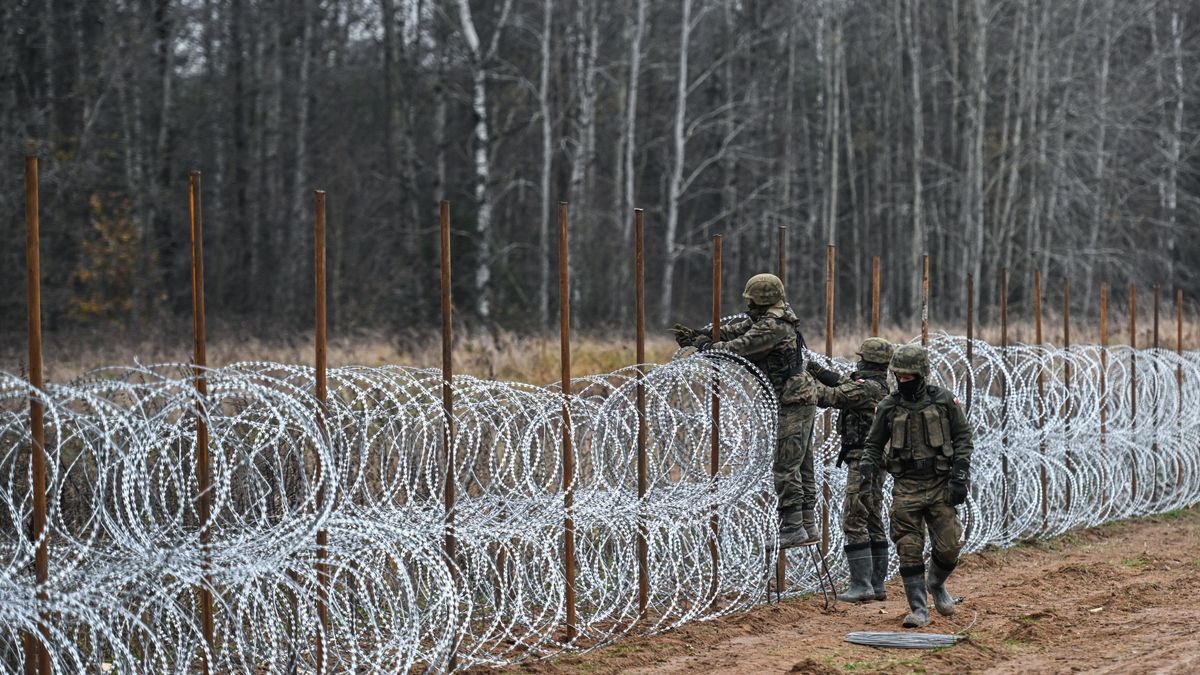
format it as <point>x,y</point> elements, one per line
<point>791,530</point>
<point>936,580</point>
<point>811,528</point>
<point>858,556</point>
<point>879,568</point>
<point>918,598</point>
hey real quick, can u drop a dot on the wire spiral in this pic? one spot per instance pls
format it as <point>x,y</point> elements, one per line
<point>129,550</point>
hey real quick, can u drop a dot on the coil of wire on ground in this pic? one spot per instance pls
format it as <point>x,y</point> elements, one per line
<point>127,545</point>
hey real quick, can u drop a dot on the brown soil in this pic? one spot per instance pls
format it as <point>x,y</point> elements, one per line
<point>1120,598</point>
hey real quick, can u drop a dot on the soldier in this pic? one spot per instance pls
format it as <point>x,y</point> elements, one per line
<point>921,436</point>
<point>769,338</point>
<point>856,397</point>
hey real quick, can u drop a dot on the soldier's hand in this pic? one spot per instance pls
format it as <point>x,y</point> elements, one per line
<point>841,458</point>
<point>683,335</point>
<point>702,342</point>
<point>960,480</point>
<point>866,473</point>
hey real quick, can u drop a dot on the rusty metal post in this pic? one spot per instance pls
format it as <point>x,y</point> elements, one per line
<point>1066,284</point>
<point>875,295</point>
<point>925,300</point>
<point>448,430</point>
<point>1179,378</point>
<point>1133,384</point>
<point>639,282</point>
<point>1104,372</point>
<point>1157,293</point>
<point>970,336</point>
<point>1103,360</point>
<point>568,458</point>
<point>714,465</point>
<point>783,254</point>
<point>1041,387</point>
<point>830,281</point>
<point>1004,395</point>
<point>321,357</point>
<point>1154,366</point>
<point>450,544</point>
<point>36,651</point>
<point>200,362</point>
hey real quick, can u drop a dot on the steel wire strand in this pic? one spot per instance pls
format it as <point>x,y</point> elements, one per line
<point>128,556</point>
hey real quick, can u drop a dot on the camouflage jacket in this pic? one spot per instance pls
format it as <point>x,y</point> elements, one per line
<point>933,424</point>
<point>769,343</point>
<point>856,396</point>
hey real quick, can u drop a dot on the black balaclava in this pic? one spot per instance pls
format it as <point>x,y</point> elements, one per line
<point>912,389</point>
<point>756,312</point>
<point>867,366</point>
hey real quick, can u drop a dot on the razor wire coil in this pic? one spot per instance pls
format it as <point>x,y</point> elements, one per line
<point>129,550</point>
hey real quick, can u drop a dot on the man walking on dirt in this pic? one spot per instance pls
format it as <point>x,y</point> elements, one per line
<point>921,436</point>
<point>856,397</point>
<point>770,339</point>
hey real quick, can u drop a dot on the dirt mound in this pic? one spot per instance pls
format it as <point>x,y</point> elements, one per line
<point>810,666</point>
<point>1034,628</point>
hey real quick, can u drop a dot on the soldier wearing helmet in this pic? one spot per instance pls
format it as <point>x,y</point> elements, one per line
<point>921,436</point>
<point>770,339</point>
<point>856,397</point>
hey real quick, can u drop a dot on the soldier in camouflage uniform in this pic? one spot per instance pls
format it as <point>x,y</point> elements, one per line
<point>856,396</point>
<point>769,338</point>
<point>921,436</point>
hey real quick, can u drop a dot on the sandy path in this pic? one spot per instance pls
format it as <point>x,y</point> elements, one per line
<point>1122,598</point>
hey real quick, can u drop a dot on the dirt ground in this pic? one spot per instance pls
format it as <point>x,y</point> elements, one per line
<point>1120,598</point>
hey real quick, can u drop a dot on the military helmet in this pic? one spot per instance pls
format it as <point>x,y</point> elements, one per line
<point>910,360</point>
<point>876,350</point>
<point>763,289</point>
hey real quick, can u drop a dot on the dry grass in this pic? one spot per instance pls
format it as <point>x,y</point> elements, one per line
<point>503,356</point>
<point>506,356</point>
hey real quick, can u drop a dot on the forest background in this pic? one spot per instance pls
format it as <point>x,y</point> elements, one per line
<point>1056,135</point>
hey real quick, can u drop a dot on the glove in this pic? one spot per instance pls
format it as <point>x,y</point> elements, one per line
<point>683,335</point>
<point>702,342</point>
<point>841,458</point>
<point>960,479</point>
<point>823,375</point>
<point>866,472</point>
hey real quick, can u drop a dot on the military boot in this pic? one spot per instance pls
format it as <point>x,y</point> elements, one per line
<point>879,568</point>
<point>859,558</point>
<point>918,598</point>
<point>791,530</point>
<point>938,574</point>
<point>811,528</point>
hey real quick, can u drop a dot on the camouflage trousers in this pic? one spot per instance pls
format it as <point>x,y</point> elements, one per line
<point>795,479</point>
<point>862,514</point>
<point>919,505</point>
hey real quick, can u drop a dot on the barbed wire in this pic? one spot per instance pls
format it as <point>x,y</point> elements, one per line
<point>128,551</point>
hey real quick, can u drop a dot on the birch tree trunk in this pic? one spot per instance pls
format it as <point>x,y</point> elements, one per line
<point>919,236</point>
<point>587,38</point>
<point>481,153</point>
<point>833,129</point>
<point>1174,144</point>
<point>629,130</point>
<point>626,175</point>
<point>547,159</point>
<point>678,145</point>
<point>1101,144</point>
<point>973,141</point>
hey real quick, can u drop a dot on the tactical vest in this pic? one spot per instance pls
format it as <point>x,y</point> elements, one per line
<point>854,425</point>
<point>920,445</point>
<point>779,364</point>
